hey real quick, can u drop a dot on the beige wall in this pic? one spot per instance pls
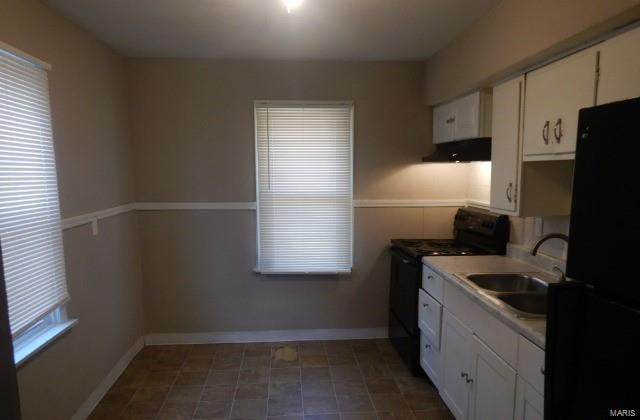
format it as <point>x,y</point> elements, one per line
<point>92,142</point>
<point>517,34</point>
<point>193,126</point>
<point>193,131</point>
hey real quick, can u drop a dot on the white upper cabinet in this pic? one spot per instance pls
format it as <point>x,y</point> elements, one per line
<point>620,68</point>
<point>555,95</point>
<point>464,118</point>
<point>505,144</point>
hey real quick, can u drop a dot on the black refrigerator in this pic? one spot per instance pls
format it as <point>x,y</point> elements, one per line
<point>592,366</point>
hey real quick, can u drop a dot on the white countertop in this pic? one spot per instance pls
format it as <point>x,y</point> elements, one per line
<point>451,267</point>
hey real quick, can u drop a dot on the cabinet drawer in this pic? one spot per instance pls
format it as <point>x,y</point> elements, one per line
<point>430,360</point>
<point>432,283</point>
<point>531,363</point>
<point>493,332</point>
<point>429,317</point>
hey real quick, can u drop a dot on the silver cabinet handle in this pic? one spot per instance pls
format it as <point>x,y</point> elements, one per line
<point>464,375</point>
<point>545,133</point>
<point>450,120</point>
<point>469,380</point>
<point>542,370</point>
<point>425,305</point>
<point>427,346</point>
<point>509,191</point>
<point>557,130</point>
<point>430,277</point>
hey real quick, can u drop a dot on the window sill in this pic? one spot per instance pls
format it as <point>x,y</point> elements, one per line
<point>302,273</point>
<point>41,341</point>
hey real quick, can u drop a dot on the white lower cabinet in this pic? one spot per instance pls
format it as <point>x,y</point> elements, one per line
<point>431,360</point>
<point>457,365</point>
<point>483,370</point>
<point>494,386</point>
<point>529,402</point>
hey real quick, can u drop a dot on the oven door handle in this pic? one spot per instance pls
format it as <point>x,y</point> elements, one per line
<point>404,259</point>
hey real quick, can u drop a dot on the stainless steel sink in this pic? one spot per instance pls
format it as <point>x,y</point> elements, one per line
<point>508,282</point>
<point>523,294</point>
<point>526,303</point>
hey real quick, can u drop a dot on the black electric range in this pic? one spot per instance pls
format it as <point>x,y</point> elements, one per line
<point>476,232</point>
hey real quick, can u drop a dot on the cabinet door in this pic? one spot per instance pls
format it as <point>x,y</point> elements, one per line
<point>529,403</point>
<point>575,89</point>
<point>442,123</point>
<point>505,144</point>
<point>494,386</point>
<point>466,117</point>
<point>555,95</point>
<point>457,354</point>
<point>620,68</point>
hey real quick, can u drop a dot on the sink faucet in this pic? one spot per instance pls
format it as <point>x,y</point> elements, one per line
<point>545,238</point>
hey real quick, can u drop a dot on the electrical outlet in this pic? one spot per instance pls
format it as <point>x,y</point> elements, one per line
<point>538,226</point>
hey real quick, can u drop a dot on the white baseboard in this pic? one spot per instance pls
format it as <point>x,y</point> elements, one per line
<point>90,404</point>
<point>265,336</point>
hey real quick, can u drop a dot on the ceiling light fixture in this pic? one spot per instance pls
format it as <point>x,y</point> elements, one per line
<point>292,4</point>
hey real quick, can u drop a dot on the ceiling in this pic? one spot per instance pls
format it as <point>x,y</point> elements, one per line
<point>262,29</point>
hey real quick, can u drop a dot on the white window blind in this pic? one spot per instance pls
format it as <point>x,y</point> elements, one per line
<point>30,233</point>
<point>304,187</point>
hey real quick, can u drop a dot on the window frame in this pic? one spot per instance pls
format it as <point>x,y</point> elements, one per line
<point>301,103</point>
<point>56,322</point>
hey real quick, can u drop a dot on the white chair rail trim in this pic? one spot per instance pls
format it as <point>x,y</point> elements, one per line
<point>94,217</point>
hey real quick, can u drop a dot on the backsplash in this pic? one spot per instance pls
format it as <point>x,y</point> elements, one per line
<point>525,232</point>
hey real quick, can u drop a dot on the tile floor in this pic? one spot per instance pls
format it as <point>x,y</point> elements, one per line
<point>328,380</point>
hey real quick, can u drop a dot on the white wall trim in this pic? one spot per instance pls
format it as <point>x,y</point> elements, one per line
<point>265,336</point>
<point>101,390</point>
<point>94,217</point>
<point>479,203</point>
<point>240,205</point>
<point>409,203</point>
<point>83,219</point>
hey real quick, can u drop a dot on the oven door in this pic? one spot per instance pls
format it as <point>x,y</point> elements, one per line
<point>406,274</point>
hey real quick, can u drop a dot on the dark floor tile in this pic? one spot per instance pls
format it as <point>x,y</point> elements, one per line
<point>309,348</point>
<point>257,349</point>
<point>422,400</point>
<point>376,371</point>
<point>251,391</point>
<point>337,347</point>
<point>350,387</point>
<point>289,390</point>
<point>322,417</point>
<point>146,401</point>
<point>389,402</point>
<point>191,379</point>
<point>249,409</point>
<point>281,406</point>
<point>415,385</point>
<point>222,377</point>
<point>314,360</point>
<point>382,386</point>
<point>255,362</point>
<point>213,410</point>
<point>185,394</point>
<point>131,379</point>
<point>290,374</point>
<point>402,414</point>
<point>231,349</point>
<point>203,350</point>
<point>119,396</point>
<point>322,388</point>
<point>345,373</point>
<point>177,411</point>
<point>253,376</point>
<point>200,364</point>
<point>314,404</point>
<point>161,378</point>
<point>436,413</point>
<point>291,417</point>
<point>316,374</point>
<point>354,403</point>
<point>224,362</point>
<point>359,416</point>
<point>342,359</point>
<point>218,393</point>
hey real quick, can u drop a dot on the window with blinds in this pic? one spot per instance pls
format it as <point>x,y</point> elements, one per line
<point>304,165</point>
<point>30,231</point>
